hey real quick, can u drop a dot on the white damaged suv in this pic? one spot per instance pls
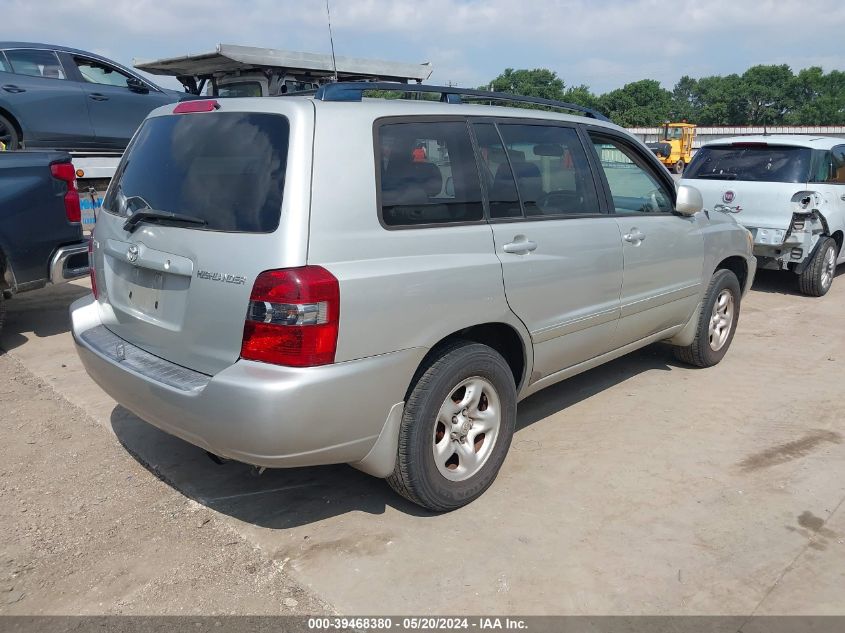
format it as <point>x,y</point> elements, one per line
<point>789,191</point>
<point>336,279</point>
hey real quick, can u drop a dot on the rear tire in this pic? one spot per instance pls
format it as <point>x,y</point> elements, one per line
<point>817,277</point>
<point>679,167</point>
<point>2,310</point>
<point>456,428</point>
<point>9,134</point>
<point>716,322</point>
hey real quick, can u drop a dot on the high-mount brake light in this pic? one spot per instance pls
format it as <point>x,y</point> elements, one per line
<point>66,173</point>
<point>293,317</point>
<point>204,105</point>
<point>749,144</point>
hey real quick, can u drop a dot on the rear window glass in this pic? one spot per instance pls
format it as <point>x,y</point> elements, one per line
<point>35,62</point>
<point>226,168</point>
<point>428,174</point>
<point>754,163</point>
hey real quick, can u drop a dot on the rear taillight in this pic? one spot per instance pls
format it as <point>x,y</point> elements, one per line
<point>293,317</point>
<point>91,270</point>
<point>65,172</point>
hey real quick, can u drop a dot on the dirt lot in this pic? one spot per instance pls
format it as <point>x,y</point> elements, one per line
<point>640,487</point>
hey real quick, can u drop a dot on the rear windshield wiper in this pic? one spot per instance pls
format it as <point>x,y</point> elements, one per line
<point>159,216</point>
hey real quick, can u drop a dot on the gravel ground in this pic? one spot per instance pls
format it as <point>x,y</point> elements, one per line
<point>87,530</point>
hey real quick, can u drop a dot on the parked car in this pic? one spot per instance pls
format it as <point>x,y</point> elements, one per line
<point>63,98</point>
<point>279,298</point>
<point>40,223</point>
<point>789,191</point>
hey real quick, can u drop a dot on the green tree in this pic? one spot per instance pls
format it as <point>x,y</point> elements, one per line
<point>721,101</point>
<point>539,82</point>
<point>769,93</point>
<point>685,103</point>
<point>641,103</point>
<point>819,98</point>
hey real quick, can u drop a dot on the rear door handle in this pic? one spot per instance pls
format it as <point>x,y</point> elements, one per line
<point>520,246</point>
<point>842,197</point>
<point>13,88</point>
<point>96,96</point>
<point>634,236</point>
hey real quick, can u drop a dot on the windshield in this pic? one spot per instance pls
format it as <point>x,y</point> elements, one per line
<point>752,162</point>
<point>227,169</point>
<point>242,89</point>
<point>672,133</point>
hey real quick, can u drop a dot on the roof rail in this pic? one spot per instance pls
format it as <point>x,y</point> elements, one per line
<point>354,90</point>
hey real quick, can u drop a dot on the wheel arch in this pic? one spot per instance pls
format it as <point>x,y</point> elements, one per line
<point>502,337</point>
<point>738,266</point>
<point>838,237</point>
<point>14,121</point>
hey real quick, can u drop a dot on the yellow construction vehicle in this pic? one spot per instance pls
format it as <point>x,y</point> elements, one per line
<point>674,145</point>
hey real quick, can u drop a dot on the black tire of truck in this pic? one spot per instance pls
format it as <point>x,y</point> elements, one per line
<point>679,166</point>
<point>8,134</point>
<point>817,278</point>
<point>701,352</point>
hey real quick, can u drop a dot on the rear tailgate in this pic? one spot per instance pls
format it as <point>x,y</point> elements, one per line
<point>758,178</point>
<point>180,290</point>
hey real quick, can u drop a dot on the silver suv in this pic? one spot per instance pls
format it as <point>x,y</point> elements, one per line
<point>326,279</point>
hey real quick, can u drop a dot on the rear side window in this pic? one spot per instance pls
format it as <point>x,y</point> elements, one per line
<point>551,170</point>
<point>501,186</point>
<point>227,168</point>
<point>428,174</point>
<point>35,63</point>
<point>829,166</point>
<point>753,162</point>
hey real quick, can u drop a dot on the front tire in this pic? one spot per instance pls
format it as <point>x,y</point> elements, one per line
<point>456,428</point>
<point>817,278</point>
<point>716,322</point>
<point>679,167</point>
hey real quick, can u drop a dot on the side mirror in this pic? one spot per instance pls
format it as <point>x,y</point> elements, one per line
<point>689,200</point>
<point>136,85</point>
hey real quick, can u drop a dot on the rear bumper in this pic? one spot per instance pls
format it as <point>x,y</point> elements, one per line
<point>69,262</point>
<point>252,412</point>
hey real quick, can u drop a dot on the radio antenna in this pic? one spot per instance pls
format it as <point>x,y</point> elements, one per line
<point>331,39</point>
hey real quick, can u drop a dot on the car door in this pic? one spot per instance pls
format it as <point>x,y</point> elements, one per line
<point>115,106</point>
<point>829,180</point>
<point>663,252</point>
<point>35,90</point>
<point>561,255</point>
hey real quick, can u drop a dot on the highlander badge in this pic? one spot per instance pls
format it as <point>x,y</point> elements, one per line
<point>222,277</point>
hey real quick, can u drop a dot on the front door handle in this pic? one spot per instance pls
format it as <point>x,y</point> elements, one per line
<point>13,88</point>
<point>634,236</point>
<point>842,197</point>
<point>520,246</point>
<point>96,96</point>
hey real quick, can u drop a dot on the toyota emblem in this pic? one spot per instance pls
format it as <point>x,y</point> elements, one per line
<point>728,196</point>
<point>132,253</point>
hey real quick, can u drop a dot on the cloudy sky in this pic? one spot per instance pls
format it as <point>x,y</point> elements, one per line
<point>603,44</point>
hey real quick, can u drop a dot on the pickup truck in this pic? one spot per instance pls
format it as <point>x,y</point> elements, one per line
<point>41,239</point>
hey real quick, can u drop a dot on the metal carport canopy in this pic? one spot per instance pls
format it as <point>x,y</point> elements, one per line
<point>228,58</point>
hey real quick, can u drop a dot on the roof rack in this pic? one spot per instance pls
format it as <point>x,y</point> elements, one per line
<point>354,90</point>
